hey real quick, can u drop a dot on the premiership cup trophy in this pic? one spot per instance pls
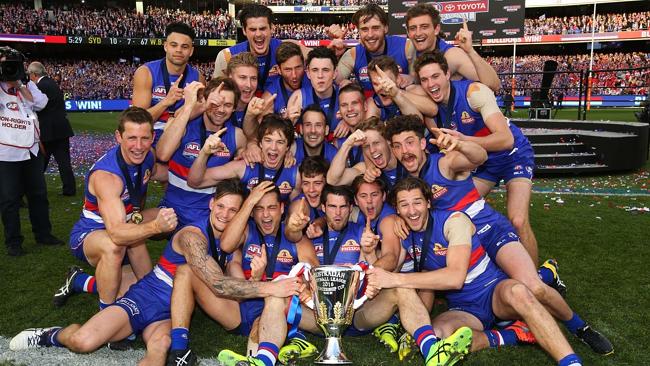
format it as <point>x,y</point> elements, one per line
<point>334,290</point>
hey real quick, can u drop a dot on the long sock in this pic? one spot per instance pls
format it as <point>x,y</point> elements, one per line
<point>267,353</point>
<point>180,339</point>
<point>83,282</point>
<point>300,335</point>
<point>546,275</point>
<point>570,360</point>
<point>574,323</point>
<point>50,337</point>
<point>425,339</point>
<point>500,338</point>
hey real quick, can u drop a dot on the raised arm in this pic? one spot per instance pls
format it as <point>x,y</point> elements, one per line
<point>220,64</point>
<point>200,176</point>
<point>485,73</point>
<point>461,157</point>
<point>142,83</point>
<point>345,66</point>
<point>338,174</point>
<point>175,128</point>
<point>390,245</point>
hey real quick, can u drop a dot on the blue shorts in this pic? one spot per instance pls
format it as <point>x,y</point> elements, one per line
<point>77,237</point>
<point>249,310</point>
<point>480,303</point>
<point>186,215</point>
<point>518,165</point>
<point>494,230</point>
<point>147,301</point>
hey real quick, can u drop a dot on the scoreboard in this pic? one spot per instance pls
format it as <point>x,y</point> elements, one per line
<point>108,41</point>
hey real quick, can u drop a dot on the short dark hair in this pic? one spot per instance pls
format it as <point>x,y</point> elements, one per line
<point>367,12</point>
<point>359,180</point>
<point>275,191</point>
<point>353,87</point>
<point>228,85</point>
<point>180,27</point>
<point>255,11</point>
<point>343,191</point>
<point>229,186</point>
<point>135,115</point>
<point>273,122</point>
<point>408,184</point>
<point>423,9</point>
<point>372,123</point>
<point>431,57</point>
<point>321,52</point>
<point>312,166</point>
<point>314,107</point>
<point>287,50</point>
<point>386,63</point>
<point>404,123</point>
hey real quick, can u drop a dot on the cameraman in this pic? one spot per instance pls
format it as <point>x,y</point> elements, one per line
<point>21,162</point>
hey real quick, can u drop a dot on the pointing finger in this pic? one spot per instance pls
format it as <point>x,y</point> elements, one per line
<point>178,81</point>
<point>221,131</point>
<point>465,24</point>
<point>368,224</point>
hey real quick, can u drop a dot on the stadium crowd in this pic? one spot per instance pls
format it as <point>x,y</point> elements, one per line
<point>311,31</point>
<point>87,79</point>
<point>611,22</point>
<point>111,22</point>
<point>323,2</point>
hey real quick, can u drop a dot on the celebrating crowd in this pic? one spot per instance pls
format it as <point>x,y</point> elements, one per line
<point>611,22</point>
<point>299,31</point>
<point>290,158</point>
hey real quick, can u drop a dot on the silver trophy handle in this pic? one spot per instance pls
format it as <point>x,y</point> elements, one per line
<point>360,301</point>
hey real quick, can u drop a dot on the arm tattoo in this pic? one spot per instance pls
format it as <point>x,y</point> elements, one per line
<point>196,253</point>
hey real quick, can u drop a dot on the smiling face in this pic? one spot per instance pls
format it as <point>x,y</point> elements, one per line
<point>422,33</point>
<point>220,107</point>
<point>321,72</point>
<point>292,72</point>
<point>274,146</point>
<point>267,213</point>
<point>245,77</point>
<point>337,211</point>
<point>408,148</point>
<point>314,128</point>
<point>258,33</point>
<point>312,187</point>
<point>372,34</point>
<point>178,49</point>
<point>435,82</point>
<point>223,209</point>
<point>413,207</point>
<point>370,199</point>
<point>376,149</point>
<point>352,108</point>
<point>135,142</point>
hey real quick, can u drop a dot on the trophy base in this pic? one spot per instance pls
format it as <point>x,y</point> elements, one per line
<point>332,353</point>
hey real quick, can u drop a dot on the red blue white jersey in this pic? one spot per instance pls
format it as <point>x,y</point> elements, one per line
<point>395,47</point>
<point>470,123</point>
<point>451,195</point>
<point>282,94</point>
<point>286,182</point>
<point>179,195</point>
<point>344,247</point>
<point>280,258</point>
<point>481,271</point>
<point>158,90</point>
<point>90,217</point>
<point>391,176</point>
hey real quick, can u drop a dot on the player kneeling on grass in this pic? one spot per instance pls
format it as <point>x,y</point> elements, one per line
<point>145,307</point>
<point>477,291</point>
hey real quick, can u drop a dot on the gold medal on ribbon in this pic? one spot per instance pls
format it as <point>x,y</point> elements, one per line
<point>136,217</point>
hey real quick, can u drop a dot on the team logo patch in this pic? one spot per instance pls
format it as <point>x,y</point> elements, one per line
<point>466,118</point>
<point>350,246</point>
<point>285,188</point>
<point>275,70</point>
<point>12,106</point>
<point>284,257</point>
<point>191,150</point>
<point>439,249</point>
<point>438,191</point>
<point>253,250</point>
<point>529,169</point>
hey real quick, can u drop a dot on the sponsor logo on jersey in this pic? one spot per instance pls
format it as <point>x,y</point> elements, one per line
<point>439,249</point>
<point>466,118</point>
<point>285,257</point>
<point>191,150</point>
<point>129,304</point>
<point>438,191</point>
<point>484,229</point>
<point>285,187</point>
<point>12,106</point>
<point>350,245</point>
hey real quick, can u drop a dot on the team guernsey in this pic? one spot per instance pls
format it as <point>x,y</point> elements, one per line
<point>517,162</point>
<point>340,247</point>
<point>268,66</point>
<point>429,250</point>
<point>190,203</point>
<point>494,229</point>
<point>391,176</point>
<point>161,81</point>
<point>328,151</point>
<point>282,93</point>
<point>394,46</point>
<point>284,178</point>
<point>386,211</point>
<point>309,97</point>
<point>314,212</point>
<point>91,219</point>
<point>386,111</point>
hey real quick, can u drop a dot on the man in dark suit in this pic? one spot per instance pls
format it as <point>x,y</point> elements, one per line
<point>55,127</point>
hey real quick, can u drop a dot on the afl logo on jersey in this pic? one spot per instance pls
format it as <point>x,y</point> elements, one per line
<point>350,246</point>
<point>159,91</point>
<point>438,191</point>
<point>12,106</point>
<point>252,183</point>
<point>418,253</point>
<point>285,187</point>
<point>466,118</point>
<point>253,250</point>
<point>438,249</point>
<point>363,74</point>
<point>191,150</point>
<point>285,257</point>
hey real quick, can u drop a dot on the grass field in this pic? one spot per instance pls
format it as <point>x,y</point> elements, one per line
<point>601,247</point>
